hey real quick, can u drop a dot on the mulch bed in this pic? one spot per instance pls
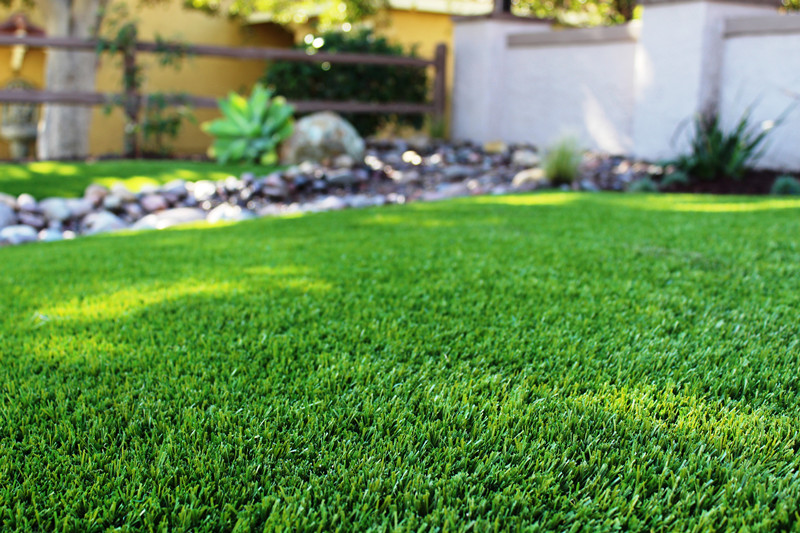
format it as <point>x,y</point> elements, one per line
<point>755,182</point>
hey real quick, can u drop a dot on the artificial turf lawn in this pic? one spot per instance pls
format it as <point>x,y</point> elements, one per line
<point>69,179</point>
<point>544,362</point>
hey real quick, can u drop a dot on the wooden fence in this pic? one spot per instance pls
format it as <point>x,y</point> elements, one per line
<point>132,102</point>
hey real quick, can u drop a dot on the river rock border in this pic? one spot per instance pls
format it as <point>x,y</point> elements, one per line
<point>393,172</point>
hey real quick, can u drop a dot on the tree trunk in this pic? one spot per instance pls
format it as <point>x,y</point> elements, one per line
<point>64,129</point>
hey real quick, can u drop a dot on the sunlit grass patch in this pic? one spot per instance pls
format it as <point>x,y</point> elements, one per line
<point>544,362</point>
<point>69,179</point>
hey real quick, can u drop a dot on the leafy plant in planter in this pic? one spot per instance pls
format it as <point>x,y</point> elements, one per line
<point>251,129</point>
<point>717,154</point>
<point>344,82</point>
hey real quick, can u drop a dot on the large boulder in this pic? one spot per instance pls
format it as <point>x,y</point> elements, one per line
<point>321,137</point>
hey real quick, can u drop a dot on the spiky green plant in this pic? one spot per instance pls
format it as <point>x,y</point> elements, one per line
<point>252,128</point>
<point>716,153</point>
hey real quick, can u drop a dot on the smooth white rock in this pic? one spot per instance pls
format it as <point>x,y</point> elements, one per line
<point>170,217</point>
<point>204,190</point>
<point>102,222</point>
<point>18,234</point>
<point>228,213</point>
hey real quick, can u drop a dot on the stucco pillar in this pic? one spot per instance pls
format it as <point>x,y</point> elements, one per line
<point>480,47</point>
<point>677,71</point>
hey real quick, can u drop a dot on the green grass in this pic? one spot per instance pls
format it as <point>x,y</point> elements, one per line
<point>553,362</point>
<point>51,178</point>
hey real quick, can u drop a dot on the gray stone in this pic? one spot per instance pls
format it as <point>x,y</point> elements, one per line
<point>344,161</point>
<point>495,147</point>
<point>530,179</point>
<point>50,235</point>
<point>18,234</point>
<point>458,172</point>
<point>170,217</point>
<point>320,137</point>
<point>153,202</point>
<point>269,210</point>
<point>148,188</point>
<point>8,200</point>
<point>525,158</point>
<point>228,213</point>
<point>274,186</point>
<point>445,191</point>
<point>133,210</point>
<point>102,222</point>
<point>32,219</point>
<point>112,202</point>
<point>342,177</point>
<point>123,193</point>
<point>78,207</point>
<point>7,216</point>
<point>329,203</point>
<point>55,209</point>
<point>588,185</point>
<point>175,187</point>
<point>357,201</point>
<point>95,193</point>
<point>405,177</point>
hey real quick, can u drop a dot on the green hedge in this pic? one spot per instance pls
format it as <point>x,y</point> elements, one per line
<point>344,82</point>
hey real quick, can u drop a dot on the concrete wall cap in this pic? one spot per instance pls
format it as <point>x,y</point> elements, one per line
<point>764,25</point>
<point>500,17</point>
<point>774,3</point>
<point>579,36</point>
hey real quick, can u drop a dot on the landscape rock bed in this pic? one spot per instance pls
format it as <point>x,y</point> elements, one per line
<point>393,172</point>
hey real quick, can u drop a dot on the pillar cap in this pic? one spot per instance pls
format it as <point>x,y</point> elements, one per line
<point>766,3</point>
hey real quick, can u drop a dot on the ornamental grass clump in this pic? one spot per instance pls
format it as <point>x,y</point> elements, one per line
<point>562,161</point>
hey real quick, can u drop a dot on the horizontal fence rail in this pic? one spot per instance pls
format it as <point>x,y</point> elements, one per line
<point>303,106</point>
<point>132,101</point>
<point>245,53</point>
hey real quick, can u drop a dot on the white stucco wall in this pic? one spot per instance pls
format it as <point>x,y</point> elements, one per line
<point>480,66</point>
<point>678,70</point>
<point>763,72</point>
<point>638,96</point>
<point>583,90</point>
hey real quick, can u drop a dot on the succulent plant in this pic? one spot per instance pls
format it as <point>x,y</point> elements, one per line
<point>251,128</point>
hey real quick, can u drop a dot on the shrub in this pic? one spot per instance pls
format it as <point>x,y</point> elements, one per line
<point>562,161</point>
<point>251,129</point>
<point>643,185</point>
<point>344,82</point>
<point>718,154</point>
<point>785,185</point>
<point>677,177</point>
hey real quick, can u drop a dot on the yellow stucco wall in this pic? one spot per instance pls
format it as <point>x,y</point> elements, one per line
<point>32,69</point>
<point>426,30</point>
<point>209,76</point>
<point>201,76</point>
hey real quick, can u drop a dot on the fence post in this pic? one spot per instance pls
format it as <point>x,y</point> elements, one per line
<point>440,82</point>
<point>131,97</point>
